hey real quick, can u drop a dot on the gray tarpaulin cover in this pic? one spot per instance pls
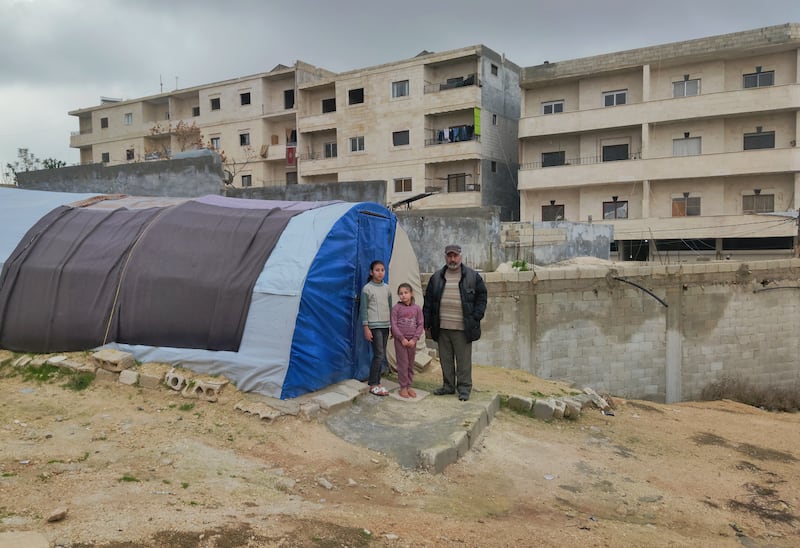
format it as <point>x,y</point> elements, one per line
<point>179,276</point>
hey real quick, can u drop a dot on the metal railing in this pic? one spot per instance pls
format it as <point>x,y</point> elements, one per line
<point>465,81</point>
<point>580,161</point>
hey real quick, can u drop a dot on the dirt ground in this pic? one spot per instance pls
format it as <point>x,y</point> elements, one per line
<point>145,467</point>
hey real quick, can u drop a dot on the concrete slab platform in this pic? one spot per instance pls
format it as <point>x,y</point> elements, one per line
<point>428,434</point>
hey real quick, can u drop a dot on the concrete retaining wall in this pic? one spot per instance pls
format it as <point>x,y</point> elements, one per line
<point>581,325</point>
<point>184,178</point>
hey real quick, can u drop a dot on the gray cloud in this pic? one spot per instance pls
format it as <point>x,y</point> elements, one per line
<point>60,55</point>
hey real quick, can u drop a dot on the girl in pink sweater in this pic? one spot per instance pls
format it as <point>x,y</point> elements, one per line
<point>407,327</point>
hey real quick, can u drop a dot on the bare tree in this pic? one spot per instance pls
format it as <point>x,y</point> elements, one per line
<point>186,137</point>
<point>234,166</point>
<point>27,161</point>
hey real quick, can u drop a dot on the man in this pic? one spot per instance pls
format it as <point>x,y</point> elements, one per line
<point>455,301</point>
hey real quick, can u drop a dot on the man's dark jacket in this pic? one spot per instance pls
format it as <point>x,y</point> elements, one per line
<point>473,302</point>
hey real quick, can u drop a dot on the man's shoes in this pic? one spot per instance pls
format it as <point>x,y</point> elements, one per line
<point>463,396</point>
<point>443,391</point>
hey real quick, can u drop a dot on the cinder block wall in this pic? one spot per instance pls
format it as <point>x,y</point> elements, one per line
<point>581,325</point>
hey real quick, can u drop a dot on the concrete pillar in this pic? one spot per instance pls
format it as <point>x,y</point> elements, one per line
<point>796,204</point>
<point>645,153</point>
<point>718,248</point>
<point>674,345</point>
<point>646,198</point>
<point>645,83</point>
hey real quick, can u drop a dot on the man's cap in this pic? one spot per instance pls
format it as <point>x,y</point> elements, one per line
<point>452,248</point>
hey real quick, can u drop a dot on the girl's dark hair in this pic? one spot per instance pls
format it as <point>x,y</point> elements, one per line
<point>407,286</point>
<point>372,265</point>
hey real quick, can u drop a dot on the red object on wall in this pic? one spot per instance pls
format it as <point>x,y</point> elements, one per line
<point>290,156</point>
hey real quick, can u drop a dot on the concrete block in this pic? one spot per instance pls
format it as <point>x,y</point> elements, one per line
<point>558,409</point>
<point>105,375</point>
<point>493,408</point>
<point>460,441</point>
<point>175,380</point>
<point>309,410</point>
<point>203,389</point>
<point>152,375</point>
<point>330,401</point>
<point>113,360</point>
<point>435,459</point>
<point>129,377</point>
<point>520,403</point>
<point>477,426</point>
<point>544,409</point>
<point>347,390</point>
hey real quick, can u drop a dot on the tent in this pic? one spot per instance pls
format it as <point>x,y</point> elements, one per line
<point>264,293</point>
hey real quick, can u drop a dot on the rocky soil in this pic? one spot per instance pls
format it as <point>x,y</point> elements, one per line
<point>145,467</point>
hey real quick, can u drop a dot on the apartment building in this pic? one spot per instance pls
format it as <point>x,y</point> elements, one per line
<point>251,121</point>
<point>688,149</point>
<point>440,128</point>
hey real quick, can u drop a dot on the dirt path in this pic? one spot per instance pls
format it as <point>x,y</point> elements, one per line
<point>138,467</point>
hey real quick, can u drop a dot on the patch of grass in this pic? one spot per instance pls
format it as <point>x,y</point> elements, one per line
<point>772,398</point>
<point>80,380</point>
<point>184,485</point>
<point>129,478</point>
<point>186,407</point>
<point>83,457</point>
<point>40,373</point>
<point>8,474</point>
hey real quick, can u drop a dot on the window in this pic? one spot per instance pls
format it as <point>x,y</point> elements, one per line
<point>615,210</point>
<point>329,105</point>
<point>215,143</point>
<point>614,98</point>
<point>195,111</point>
<point>103,122</point>
<point>494,119</point>
<point>552,107</point>
<point>686,88</point>
<point>245,98</point>
<point>291,177</point>
<point>457,182</point>
<point>128,118</point>
<point>247,180</point>
<point>400,89</point>
<point>758,79</point>
<point>494,70</point>
<point>355,96</point>
<point>402,185</point>
<point>244,139</point>
<point>400,138</point>
<point>612,153</point>
<point>129,154</point>
<point>288,99</point>
<point>105,157</point>
<point>553,212</point>
<point>215,103</point>
<point>685,206</point>
<point>758,203</point>
<point>553,158</point>
<point>330,150</point>
<point>753,141</point>
<point>494,166</point>
<point>688,146</point>
<point>357,144</point>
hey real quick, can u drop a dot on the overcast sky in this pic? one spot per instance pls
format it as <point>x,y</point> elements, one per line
<point>61,55</point>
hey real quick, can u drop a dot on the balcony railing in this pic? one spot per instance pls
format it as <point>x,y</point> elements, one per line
<point>453,83</point>
<point>581,161</point>
<point>314,156</point>
<point>442,186</point>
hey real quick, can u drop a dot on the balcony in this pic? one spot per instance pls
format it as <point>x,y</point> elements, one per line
<point>711,105</point>
<point>747,162</point>
<point>78,139</point>
<point>699,227</point>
